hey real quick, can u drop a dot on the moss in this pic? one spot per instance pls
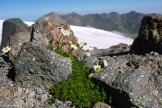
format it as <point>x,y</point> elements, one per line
<point>78,88</point>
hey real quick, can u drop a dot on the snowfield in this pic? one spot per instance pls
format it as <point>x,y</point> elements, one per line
<point>94,37</point>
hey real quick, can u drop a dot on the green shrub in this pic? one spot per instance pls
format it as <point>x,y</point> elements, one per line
<point>78,88</point>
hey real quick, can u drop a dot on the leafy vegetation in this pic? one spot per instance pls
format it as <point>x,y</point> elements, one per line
<point>78,88</point>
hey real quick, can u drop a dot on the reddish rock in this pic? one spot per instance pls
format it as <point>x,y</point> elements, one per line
<point>57,35</point>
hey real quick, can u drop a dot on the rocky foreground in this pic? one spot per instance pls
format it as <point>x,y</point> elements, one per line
<point>133,80</point>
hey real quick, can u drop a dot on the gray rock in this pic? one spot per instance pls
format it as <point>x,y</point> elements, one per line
<point>17,39</point>
<point>5,72</point>
<point>114,50</point>
<point>39,67</point>
<point>41,35</point>
<point>10,26</point>
<point>43,97</point>
<point>31,95</point>
<point>39,91</point>
<point>62,104</point>
<point>101,105</point>
<point>132,80</point>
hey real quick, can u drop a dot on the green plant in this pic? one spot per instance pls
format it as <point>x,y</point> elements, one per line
<point>7,53</point>
<point>78,88</point>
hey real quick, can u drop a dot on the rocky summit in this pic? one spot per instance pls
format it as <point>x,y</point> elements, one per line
<point>130,75</point>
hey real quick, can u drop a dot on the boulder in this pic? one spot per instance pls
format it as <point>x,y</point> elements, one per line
<point>101,105</point>
<point>10,26</point>
<point>41,35</point>
<point>57,35</point>
<point>119,49</point>
<point>150,35</point>
<point>39,67</point>
<point>132,80</point>
<point>18,39</point>
<point>35,33</point>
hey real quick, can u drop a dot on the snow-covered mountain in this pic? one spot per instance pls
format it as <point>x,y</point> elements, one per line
<point>94,37</point>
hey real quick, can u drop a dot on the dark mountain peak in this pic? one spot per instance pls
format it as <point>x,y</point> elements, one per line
<point>133,13</point>
<point>114,13</point>
<point>125,23</point>
<point>73,14</point>
<point>51,13</point>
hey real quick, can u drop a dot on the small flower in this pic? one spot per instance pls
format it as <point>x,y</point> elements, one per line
<point>84,43</point>
<point>90,48</point>
<point>66,32</point>
<point>105,63</point>
<point>87,54</point>
<point>97,68</point>
<point>74,46</point>
<point>80,44</point>
<point>6,49</point>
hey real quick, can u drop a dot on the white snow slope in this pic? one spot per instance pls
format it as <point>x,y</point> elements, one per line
<point>94,37</point>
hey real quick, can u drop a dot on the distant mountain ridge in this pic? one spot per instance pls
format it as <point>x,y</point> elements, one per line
<point>126,23</point>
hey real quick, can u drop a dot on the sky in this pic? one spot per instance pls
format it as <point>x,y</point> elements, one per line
<point>30,10</point>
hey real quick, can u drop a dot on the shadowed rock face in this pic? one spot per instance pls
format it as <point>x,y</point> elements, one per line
<point>132,80</point>
<point>150,35</point>
<point>10,26</point>
<point>39,67</point>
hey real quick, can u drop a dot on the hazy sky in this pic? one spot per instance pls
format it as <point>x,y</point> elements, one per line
<point>31,10</point>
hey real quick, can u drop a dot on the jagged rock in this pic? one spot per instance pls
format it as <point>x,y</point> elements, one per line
<point>132,80</point>
<point>150,35</point>
<point>36,33</point>
<point>41,35</point>
<point>63,104</point>
<point>18,39</point>
<point>101,105</point>
<point>57,35</point>
<point>39,67</point>
<point>10,26</point>
<point>4,73</point>
<point>114,50</point>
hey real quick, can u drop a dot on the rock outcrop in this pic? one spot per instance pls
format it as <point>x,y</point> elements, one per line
<point>44,33</point>
<point>57,35</point>
<point>17,39</point>
<point>150,35</point>
<point>101,105</point>
<point>26,82</point>
<point>41,35</point>
<point>132,80</point>
<point>10,26</point>
<point>114,50</point>
<point>39,67</point>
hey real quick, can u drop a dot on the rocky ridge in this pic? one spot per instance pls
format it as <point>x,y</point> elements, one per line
<point>26,82</point>
<point>125,23</point>
<point>133,80</point>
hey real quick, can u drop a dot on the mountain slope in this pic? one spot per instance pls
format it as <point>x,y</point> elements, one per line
<point>126,23</point>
